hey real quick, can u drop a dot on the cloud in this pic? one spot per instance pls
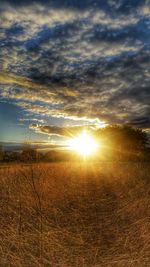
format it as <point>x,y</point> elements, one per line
<point>123,6</point>
<point>24,88</point>
<point>77,60</point>
<point>6,78</point>
<point>142,121</point>
<point>61,131</point>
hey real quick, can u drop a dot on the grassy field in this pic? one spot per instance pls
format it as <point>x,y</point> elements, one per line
<point>75,214</point>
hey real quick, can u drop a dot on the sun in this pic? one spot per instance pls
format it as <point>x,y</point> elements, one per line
<point>83,144</point>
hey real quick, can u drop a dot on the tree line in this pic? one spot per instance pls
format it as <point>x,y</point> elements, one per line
<point>116,143</point>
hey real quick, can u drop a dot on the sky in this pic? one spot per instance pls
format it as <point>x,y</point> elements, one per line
<point>67,64</point>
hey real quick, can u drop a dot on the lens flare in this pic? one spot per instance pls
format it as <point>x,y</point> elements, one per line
<point>83,144</point>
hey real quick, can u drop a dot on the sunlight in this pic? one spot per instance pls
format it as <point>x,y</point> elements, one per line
<point>83,144</point>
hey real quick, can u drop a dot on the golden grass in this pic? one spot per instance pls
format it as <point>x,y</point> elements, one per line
<point>75,214</point>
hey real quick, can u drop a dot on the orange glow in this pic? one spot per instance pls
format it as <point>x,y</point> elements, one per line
<point>83,144</point>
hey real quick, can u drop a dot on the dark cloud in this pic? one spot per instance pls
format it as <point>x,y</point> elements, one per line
<point>14,30</point>
<point>77,59</point>
<point>124,6</point>
<point>141,122</point>
<point>61,131</point>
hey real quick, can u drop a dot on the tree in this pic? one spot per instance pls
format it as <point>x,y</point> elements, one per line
<point>123,140</point>
<point>28,153</point>
<point>1,153</point>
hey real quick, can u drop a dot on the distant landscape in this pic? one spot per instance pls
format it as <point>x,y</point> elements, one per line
<point>115,143</point>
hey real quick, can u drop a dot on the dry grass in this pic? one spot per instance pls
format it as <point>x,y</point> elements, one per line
<point>72,214</point>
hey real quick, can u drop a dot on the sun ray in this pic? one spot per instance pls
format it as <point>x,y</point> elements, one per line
<point>83,144</point>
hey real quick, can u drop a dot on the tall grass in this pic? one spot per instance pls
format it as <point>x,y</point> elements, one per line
<point>75,214</point>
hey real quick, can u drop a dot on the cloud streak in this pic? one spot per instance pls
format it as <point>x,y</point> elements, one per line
<point>82,60</point>
<point>62,131</point>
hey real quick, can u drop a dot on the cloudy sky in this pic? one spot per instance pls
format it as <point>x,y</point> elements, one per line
<point>68,63</point>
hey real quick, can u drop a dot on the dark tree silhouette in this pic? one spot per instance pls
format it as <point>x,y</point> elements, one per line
<point>1,153</point>
<point>122,141</point>
<point>29,154</point>
<point>124,137</point>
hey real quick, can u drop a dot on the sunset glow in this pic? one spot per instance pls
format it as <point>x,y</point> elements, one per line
<point>83,144</point>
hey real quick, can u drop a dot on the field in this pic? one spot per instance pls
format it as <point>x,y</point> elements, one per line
<point>75,215</point>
